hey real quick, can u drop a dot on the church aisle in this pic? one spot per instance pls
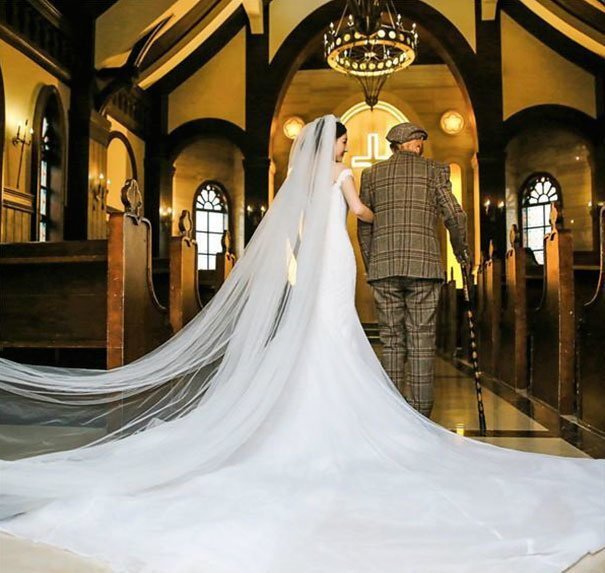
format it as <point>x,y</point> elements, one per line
<point>456,408</point>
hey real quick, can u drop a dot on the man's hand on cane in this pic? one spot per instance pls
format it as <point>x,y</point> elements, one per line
<point>465,259</point>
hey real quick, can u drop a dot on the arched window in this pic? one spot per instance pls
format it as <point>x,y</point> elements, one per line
<point>47,142</point>
<point>48,166</point>
<point>211,221</point>
<point>538,193</point>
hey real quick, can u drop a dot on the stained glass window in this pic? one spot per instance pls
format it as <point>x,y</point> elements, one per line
<point>211,221</point>
<point>44,194</point>
<point>539,193</point>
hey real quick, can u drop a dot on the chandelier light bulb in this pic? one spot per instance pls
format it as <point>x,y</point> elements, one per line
<point>370,42</point>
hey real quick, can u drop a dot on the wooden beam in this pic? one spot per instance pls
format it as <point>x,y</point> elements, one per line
<point>254,9</point>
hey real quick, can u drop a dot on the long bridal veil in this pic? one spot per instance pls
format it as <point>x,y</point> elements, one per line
<point>189,404</point>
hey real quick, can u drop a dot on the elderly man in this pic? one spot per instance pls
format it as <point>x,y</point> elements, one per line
<point>402,256</point>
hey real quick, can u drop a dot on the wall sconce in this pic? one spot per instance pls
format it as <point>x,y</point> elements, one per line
<point>99,192</point>
<point>255,212</point>
<point>592,208</point>
<point>21,139</point>
<point>452,122</point>
<point>166,216</point>
<point>293,126</point>
<point>490,208</point>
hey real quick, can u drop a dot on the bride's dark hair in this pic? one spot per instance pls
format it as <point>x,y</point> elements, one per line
<point>341,129</point>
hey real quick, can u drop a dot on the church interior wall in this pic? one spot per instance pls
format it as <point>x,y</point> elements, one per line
<point>217,89</point>
<point>534,74</point>
<point>211,159</point>
<point>23,80</point>
<point>118,163</point>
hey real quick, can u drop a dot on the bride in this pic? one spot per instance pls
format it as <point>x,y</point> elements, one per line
<point>266,437</point>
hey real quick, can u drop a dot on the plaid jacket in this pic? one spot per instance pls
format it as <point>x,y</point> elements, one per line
<point>406,193</point>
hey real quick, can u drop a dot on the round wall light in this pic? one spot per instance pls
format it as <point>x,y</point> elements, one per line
<point>293,126</point>
<point>452,122</point>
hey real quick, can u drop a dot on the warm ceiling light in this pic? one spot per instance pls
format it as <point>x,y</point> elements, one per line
<point>293,126</point>
<point>370,42</point>
<point>452,122</point>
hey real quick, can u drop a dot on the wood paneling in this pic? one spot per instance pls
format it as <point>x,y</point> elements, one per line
<point>17,212</point>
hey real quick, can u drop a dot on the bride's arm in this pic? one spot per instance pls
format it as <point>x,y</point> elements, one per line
<point>355,205</point>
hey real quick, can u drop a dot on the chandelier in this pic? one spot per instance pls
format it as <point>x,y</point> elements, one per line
<point>370,42</point>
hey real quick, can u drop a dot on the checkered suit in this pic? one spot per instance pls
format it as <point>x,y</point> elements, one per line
<point>407,193</point>
<point>402,256</point>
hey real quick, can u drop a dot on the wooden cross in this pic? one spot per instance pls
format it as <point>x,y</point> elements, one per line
<point>373,153</point>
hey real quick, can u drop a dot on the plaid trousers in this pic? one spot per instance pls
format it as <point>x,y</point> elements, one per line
<point>407,318</point>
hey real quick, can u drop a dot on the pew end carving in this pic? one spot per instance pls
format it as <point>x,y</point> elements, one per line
<point>185,300</point>
<point>553,329</point>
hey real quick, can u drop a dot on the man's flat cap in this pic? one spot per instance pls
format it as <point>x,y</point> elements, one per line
<point>406,132</point>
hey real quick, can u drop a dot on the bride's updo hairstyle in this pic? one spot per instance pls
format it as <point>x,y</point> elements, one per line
<point>341,129</point>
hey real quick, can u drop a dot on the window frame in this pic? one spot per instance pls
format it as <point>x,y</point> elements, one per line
<point>524,194</point>
<point>203,249</point>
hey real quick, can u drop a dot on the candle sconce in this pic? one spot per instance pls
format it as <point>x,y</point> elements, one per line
<point>99,192</point>
<point>166,216</point>
<point>492,216</point>
<point>593,209</point>
<point>21,139</point>
<point>255,213</point>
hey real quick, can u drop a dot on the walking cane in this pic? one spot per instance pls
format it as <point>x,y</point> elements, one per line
<point>474,356</point>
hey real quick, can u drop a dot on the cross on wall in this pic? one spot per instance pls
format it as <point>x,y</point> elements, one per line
<point>373,153</point>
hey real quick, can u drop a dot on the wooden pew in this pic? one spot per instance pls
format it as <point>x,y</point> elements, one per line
<point>513,337</point>
<point>84,295</point>
<point>211,280</point>
<point>553,328</point>
<point>175,278</point>
<point>450,335</point>
<point>489,288</point>
<point>591,348</point>
<point>184,300</point>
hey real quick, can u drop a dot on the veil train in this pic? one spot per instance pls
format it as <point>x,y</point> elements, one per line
<point>266,437</point>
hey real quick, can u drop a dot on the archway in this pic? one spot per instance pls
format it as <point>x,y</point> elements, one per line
<point>188,132</point>
<point>434,28</point>
<point>121,165</point>
<point>215,159</point>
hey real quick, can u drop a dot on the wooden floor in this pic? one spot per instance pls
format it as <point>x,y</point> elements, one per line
<point>509,425</point>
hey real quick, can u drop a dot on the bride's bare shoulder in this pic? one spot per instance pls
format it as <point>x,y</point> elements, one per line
<point>337,169</point>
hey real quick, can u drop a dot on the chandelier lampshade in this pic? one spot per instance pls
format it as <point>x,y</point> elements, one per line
<point>370,42</point>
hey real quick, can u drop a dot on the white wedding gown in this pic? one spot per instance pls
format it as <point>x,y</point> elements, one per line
<point>339,476</point>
